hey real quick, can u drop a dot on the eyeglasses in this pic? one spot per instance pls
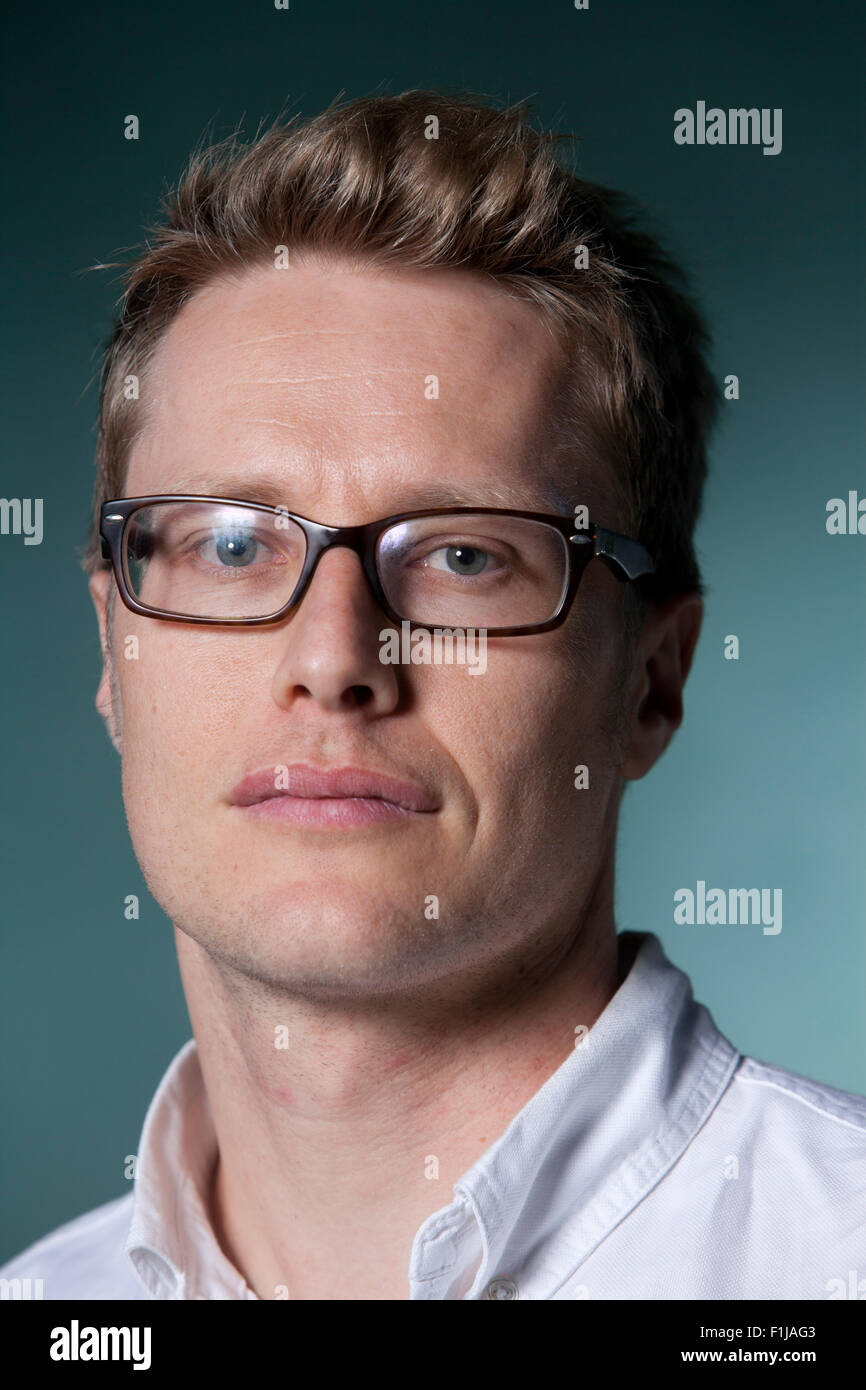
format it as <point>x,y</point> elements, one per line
<point>219,560</point>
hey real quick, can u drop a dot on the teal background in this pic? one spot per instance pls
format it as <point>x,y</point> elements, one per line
<point>763,786</point>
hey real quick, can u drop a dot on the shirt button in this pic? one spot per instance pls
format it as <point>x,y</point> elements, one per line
<point>501,1288</point>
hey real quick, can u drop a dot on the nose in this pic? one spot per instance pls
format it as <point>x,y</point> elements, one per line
<point>331,643</point>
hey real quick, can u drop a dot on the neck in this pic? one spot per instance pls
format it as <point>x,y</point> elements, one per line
<point>342,1126</point>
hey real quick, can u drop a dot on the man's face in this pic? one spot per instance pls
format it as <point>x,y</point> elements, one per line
<point>314,379</point>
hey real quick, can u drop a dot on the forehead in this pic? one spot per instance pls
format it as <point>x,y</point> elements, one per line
<point>354,387</point>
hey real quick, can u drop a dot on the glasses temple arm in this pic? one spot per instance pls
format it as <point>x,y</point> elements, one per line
<point>630,556</point>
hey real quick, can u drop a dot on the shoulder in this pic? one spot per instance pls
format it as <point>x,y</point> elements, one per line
<point>84,1258</point>
<point>772,1096</point>
<point>765,1202</point>
<point>800,1145</point>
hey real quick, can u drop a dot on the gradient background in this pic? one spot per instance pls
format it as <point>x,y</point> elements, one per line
<point>763,786</point>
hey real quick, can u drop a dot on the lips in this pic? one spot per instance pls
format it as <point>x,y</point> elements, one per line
<point>344,783</point>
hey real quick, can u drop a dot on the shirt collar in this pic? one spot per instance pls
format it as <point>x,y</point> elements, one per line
<point>171,1241</point>
<point>588,1146</point>
<point>581,1154</point>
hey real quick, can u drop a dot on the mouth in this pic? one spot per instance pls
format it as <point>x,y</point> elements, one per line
<point>330,796</point>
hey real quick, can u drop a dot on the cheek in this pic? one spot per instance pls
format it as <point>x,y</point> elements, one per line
<point>177,712</point>
<point>519,730</point>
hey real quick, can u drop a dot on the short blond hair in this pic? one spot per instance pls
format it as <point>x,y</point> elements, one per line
<point>431,181</point>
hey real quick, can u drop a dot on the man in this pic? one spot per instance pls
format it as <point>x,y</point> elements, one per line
<point>425,1064</point>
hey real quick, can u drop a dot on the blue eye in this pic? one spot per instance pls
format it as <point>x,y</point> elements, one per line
<point>460,559</point>
<point>236,549</point>
<point>466,559</point>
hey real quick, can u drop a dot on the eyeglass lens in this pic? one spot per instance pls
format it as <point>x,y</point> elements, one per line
<point>225,560</point>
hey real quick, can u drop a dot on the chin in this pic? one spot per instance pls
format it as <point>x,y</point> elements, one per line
<point>333,939</point>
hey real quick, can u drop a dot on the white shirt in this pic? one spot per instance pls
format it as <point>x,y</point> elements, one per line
<point>655,1163</point>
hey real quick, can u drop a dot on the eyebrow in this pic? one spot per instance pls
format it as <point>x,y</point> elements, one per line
<point>547,495</point>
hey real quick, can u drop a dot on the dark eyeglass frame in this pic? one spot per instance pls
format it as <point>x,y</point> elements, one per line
<point>627,559</point>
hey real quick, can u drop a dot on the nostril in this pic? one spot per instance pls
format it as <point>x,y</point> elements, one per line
<point>358,695</point>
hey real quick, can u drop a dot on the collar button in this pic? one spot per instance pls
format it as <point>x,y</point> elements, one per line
<point>501,1288</point>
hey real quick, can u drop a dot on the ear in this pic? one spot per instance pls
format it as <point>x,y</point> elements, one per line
<point>99,586</point>
<point>663,659</point>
